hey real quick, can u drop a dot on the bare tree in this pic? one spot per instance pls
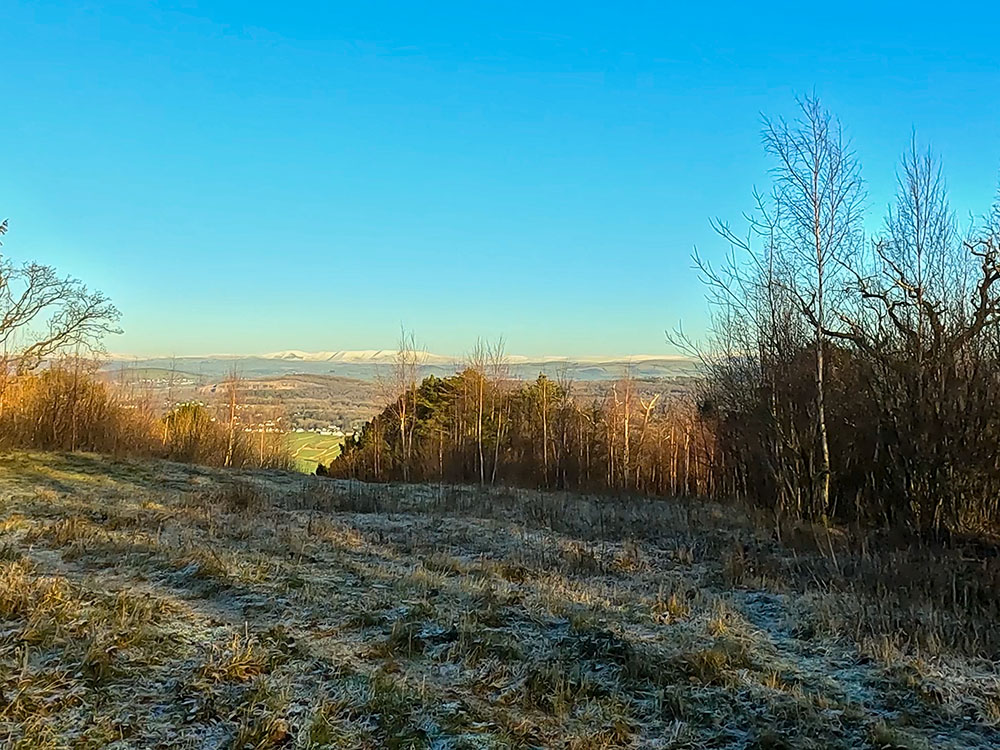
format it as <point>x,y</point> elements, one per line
<point>232,394</point>
<point>782,293</point>
<point>43,313</point>
<point>623,392</point>
<point>499,373</point>
<point>401,390</point>
<point>927,329</point>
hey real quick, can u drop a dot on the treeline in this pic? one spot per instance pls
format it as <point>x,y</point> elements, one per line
<point>67,406</point>
<point>480,426</point>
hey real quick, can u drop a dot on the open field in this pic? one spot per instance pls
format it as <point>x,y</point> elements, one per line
<point>150,604</point>
<point>310,448</point>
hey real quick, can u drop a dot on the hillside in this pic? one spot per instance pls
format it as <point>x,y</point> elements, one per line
<point>151,604</point>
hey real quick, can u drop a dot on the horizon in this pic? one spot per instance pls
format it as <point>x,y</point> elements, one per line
<point>238,177</point>
<point>376,353</point>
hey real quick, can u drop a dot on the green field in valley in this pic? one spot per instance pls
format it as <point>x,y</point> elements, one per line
<point>310,448</point>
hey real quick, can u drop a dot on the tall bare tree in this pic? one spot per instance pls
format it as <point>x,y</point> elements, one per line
<point>478,360</point>
<point>819,198</point>
<point>401,391</point>
<point>623,393</point>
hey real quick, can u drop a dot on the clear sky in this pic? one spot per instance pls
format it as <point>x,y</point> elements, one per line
<point>251,176</point>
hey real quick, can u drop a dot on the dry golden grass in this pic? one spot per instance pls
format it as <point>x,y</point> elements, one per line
<point>151,604</point>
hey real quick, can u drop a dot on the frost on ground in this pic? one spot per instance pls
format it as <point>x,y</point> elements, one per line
<point>150,604</point>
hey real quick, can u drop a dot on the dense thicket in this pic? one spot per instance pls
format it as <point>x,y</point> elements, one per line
<point>68,407</point>
<point>65,407</point>
<point>853,376</point>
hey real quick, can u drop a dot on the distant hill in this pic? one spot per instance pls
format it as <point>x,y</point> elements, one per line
<point>363,356</point>
<point>370,364</point>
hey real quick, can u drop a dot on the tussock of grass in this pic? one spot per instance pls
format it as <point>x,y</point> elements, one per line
<point>239,496</point>
<point>241,660</point>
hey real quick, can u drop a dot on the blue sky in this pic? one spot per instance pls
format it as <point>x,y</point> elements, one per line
<point>249,176</point>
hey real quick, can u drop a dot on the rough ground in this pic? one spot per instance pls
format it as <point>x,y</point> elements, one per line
<point>159,605</point>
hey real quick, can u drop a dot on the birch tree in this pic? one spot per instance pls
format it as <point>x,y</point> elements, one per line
<point>819,196</point>
<point>401,390</point>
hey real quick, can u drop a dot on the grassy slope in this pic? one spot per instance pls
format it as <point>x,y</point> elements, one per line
<point>158,605</point>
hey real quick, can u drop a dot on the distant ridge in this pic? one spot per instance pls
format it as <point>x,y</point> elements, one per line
<point>386,356</point>
<point>367,364</point>
<point>360,356</point>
